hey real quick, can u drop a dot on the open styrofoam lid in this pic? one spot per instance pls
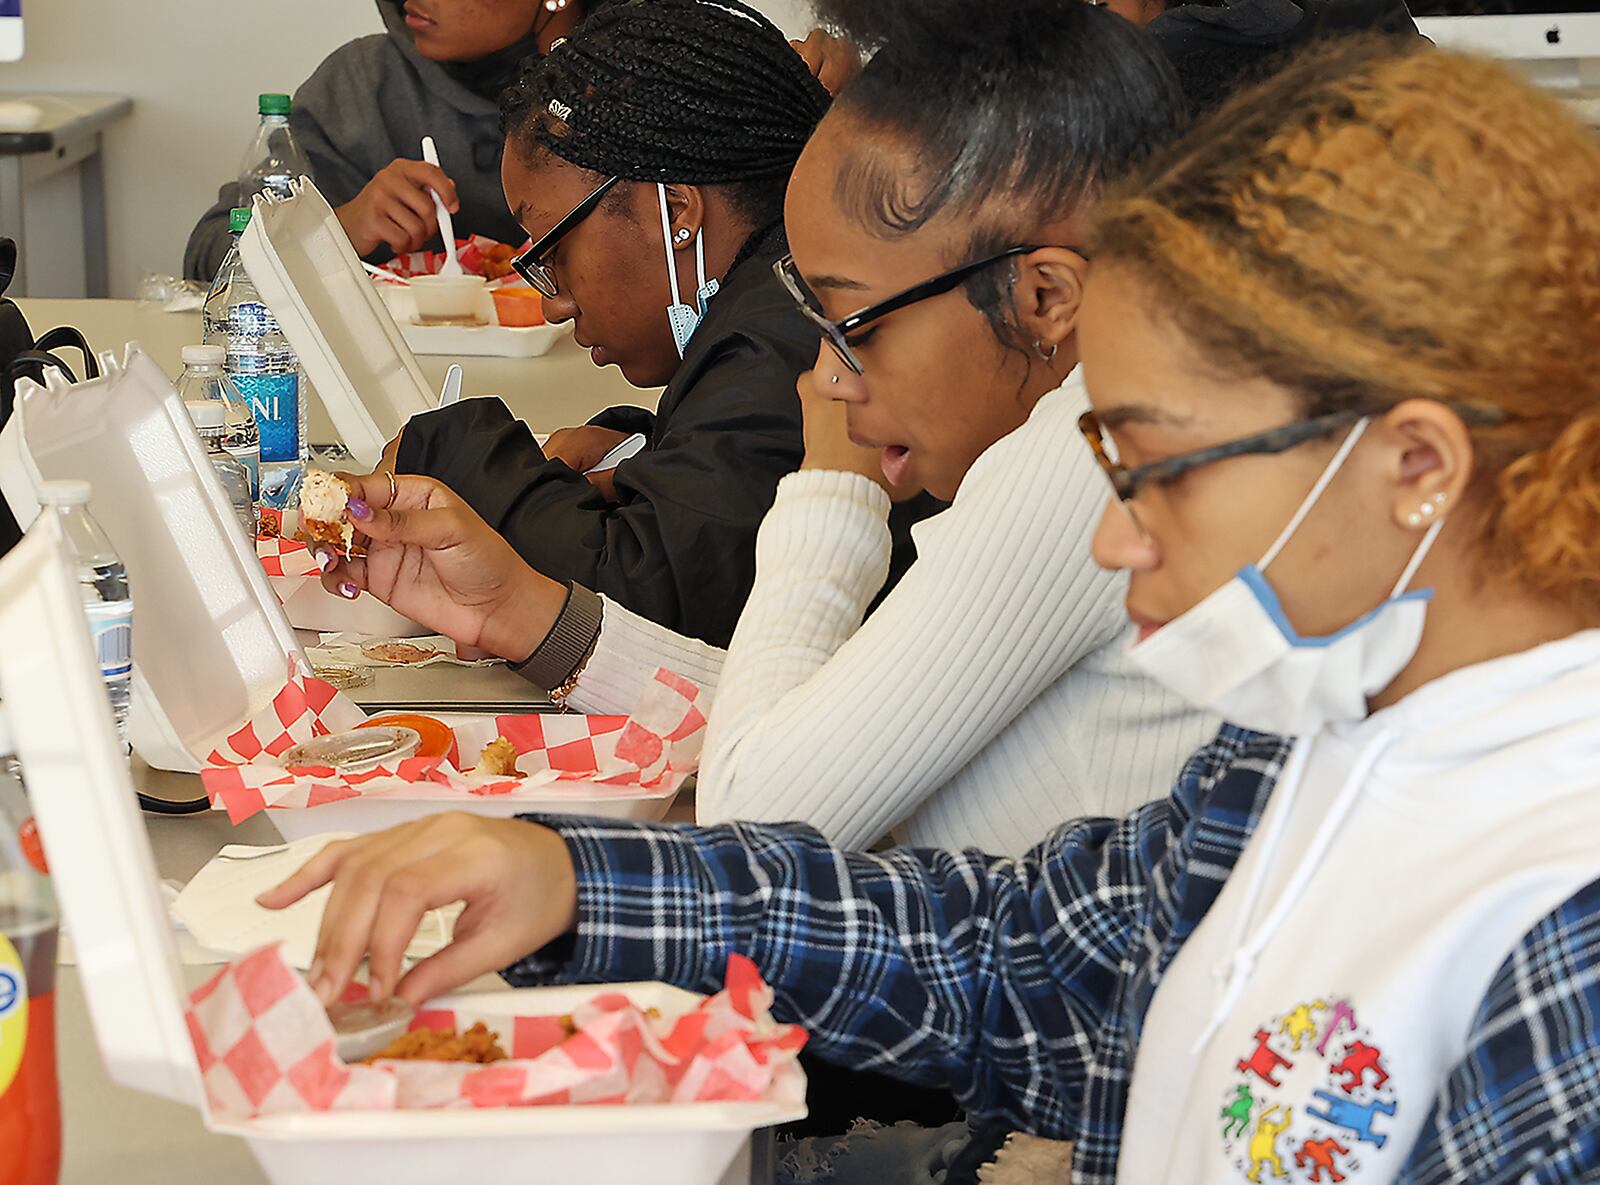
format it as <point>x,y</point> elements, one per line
<point>211,645</point>
<point>100,859</point>
<point>309,275</point>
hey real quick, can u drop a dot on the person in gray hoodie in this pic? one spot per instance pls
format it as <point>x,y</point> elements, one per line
<point>437,70</point>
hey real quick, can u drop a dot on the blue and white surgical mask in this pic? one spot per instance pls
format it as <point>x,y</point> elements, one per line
<point>683,319</point>
<point>1236,654</point>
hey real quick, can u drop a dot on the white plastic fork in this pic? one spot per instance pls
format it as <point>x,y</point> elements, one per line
<point>447,228</point>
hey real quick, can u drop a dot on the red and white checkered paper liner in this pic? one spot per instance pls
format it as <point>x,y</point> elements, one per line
<point>427,263</point>
<point>650,753</point>
<point>286,557</point>
<point>264,1046</point>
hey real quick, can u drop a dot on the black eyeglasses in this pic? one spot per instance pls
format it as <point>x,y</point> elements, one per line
<point>833,332</point>
<point>1126,482</point>
<point>530,264</point>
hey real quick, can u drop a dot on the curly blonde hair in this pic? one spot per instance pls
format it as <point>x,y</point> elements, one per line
<point>1381,222</point>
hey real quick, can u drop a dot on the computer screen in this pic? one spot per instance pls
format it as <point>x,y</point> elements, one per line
<point>10,30</point>
<point>1526,29</point>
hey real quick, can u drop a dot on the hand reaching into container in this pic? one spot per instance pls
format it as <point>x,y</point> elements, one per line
<point>431,558</point>
<point>516,879</point>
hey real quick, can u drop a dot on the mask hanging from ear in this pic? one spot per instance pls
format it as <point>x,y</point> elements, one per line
<point>684,319</point>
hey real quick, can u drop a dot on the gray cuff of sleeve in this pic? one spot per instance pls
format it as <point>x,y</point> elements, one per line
<point>568,643</point>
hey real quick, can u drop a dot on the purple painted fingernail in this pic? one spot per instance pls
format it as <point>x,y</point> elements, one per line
<point>358,509</point>
<point>349,591</point>
<point>326,560</point>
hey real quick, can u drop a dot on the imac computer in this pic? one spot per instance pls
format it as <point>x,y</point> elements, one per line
<point>1556,41</point>
<point>10,30</point>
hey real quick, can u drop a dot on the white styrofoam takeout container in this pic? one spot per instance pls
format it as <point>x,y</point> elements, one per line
<point>211,643</point>
<point>309,275</point>
<point>490,340</point>
<point>105,877</point>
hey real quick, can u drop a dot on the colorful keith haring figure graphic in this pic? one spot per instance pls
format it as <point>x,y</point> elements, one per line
<point>1319,1154</point>
<point>1236,1114</point>
<point>1264,1144</point>
<point>1311,1090</point>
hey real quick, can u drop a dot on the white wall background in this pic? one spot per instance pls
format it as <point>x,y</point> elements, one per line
<point>194,69</point>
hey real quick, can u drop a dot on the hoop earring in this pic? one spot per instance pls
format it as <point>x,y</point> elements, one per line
<point>1038,348</point>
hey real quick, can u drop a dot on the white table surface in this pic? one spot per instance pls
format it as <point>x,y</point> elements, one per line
<point>558,390</point>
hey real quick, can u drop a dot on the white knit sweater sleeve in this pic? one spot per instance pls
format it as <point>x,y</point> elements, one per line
<point>849,726</point>
<point>629,652</point>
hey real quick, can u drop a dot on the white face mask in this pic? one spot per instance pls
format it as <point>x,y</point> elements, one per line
<point>683,319</point>
<point>1236,654</point>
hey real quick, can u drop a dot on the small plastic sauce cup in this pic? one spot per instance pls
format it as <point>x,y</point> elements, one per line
<point>448,299</point>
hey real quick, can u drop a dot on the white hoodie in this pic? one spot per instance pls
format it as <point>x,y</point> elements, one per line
<point>1304,1030</point>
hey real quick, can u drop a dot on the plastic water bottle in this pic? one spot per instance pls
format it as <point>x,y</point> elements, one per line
<point>204,378</point>
<point>207,417</point>
<point>103,584</point>
<point>273,159</point>
<point>30,1100</point>
<point>263,367</point>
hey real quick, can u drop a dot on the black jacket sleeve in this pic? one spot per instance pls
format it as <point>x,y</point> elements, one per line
<point>679,545</point>
<point>627,419</point>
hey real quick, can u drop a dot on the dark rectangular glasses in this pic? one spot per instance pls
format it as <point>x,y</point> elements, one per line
<point>530,264</point>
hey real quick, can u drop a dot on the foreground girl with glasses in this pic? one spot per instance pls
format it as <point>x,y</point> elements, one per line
<point>1373,946</point>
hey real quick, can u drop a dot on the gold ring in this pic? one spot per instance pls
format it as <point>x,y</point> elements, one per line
<point>394,491</point>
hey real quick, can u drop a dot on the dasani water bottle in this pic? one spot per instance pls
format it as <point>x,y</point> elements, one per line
<point>263,366</point>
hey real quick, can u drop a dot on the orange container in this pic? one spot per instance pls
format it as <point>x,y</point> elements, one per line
<point>437,739</point>
<point>517,308</point>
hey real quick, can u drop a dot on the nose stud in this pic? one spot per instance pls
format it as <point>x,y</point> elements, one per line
<point>833,378</point>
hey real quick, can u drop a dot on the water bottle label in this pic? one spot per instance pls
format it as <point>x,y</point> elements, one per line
<point>111,627</point>
<point>275,398</point>
<point>250,458</point>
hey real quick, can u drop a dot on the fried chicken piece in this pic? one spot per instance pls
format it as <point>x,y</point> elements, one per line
<point>498,760</point>
<point>324,511</point>
<point>478,1044</point>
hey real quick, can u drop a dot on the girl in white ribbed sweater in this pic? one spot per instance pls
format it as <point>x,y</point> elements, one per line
<point>987,698</point>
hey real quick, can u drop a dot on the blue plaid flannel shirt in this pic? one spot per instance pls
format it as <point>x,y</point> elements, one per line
<point>1022,984</point>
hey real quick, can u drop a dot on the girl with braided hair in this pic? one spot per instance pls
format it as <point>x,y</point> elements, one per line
<point>1351,424</point>
<point>647,157</point>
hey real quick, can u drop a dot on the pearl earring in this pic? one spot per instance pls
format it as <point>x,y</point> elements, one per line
<point>554,5</point>
<point>1414,519</point>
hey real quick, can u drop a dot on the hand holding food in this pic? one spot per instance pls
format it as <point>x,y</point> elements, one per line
<point>430,557</point>
<point>516,879</point>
